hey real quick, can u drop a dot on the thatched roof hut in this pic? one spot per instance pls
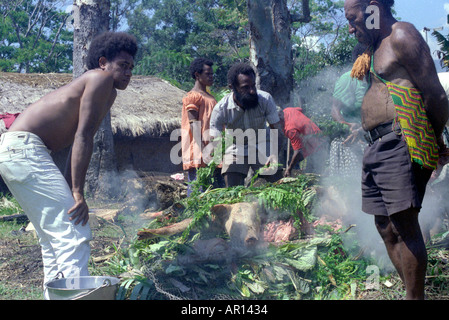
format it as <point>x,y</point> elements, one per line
<point>148,107</point>
<point>142,117</point>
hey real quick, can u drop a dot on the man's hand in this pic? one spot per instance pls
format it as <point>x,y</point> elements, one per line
<point>271,166</point>
<point>353,136</point>
<point>287,173</point>
<point>80,210</point>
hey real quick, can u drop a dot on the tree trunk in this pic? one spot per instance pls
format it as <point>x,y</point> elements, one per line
<point>91,17</point>
<point>271,47</point>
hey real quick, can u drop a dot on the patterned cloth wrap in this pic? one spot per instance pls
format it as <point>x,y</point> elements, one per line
<point>415,125</point>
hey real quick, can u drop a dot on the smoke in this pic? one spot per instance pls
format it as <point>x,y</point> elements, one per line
<point>316,92</point>
<point>340,199</point>
<point>129,189</point>
<point>340,202</point>
<point>435,207</point>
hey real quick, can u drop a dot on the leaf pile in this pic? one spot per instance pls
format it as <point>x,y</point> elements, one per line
<point>316,268</point>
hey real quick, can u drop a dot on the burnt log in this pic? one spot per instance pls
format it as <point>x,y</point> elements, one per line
<point>167,231</point>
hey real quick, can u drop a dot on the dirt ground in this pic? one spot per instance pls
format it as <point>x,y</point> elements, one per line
<point>21,265</point>
<point>21,269</point>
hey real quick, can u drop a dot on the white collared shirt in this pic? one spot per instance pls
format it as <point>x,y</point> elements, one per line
<point>228,115</point>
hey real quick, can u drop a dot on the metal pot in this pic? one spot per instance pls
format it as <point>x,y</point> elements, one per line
<point>82,288</point>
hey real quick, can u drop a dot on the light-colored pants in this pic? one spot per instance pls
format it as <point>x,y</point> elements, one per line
<point>41,190</point>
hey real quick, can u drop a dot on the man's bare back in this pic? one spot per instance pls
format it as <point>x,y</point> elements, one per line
<point>55,117</point>
<point>72,114</point>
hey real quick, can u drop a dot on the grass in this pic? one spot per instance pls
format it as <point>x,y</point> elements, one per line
<point>8,292</point>
<point>21,253</point>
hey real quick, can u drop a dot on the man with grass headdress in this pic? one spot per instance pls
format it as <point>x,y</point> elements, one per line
<point>403,113</point>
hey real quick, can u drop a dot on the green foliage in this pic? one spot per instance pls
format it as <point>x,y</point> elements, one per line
<point>325,41</point>
<point>443,53</point>
<point>329,127</point>
<point>9,205</point>
<point>34,37</point>
<point>291,195</point>
<point>166,64</point>
<point>173,33</point>
<point>317,268</point>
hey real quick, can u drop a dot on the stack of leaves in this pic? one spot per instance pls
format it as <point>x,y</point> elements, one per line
<point>315,268</point>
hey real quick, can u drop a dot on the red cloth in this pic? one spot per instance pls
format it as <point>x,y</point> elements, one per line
<point>9,118</point>
<point>301,131</point>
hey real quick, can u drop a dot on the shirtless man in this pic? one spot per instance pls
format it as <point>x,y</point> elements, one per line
<point>393,185</point>
<point>68,116</point>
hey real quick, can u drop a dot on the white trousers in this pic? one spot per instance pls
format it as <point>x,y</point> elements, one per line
<point>41,190</point>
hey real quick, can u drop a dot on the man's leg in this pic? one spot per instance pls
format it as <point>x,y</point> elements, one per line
<point>403,239</point>
<point>234,170</point>
<point>233,179</point>
<point>43,193</point>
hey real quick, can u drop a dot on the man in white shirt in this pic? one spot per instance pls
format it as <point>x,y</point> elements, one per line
<point>244,114</point>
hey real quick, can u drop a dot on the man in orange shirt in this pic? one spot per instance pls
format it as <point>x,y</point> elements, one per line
<point>196,111</point>
<point>302,133</point>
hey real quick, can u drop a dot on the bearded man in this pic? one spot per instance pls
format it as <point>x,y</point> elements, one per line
<point>403,112</point>
<point>244,113</point>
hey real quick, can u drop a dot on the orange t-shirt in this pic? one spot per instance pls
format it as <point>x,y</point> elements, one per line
<point>301,131</point>
<point>191,152</point>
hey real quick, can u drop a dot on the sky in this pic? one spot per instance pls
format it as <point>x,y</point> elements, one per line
<point>425,13</point>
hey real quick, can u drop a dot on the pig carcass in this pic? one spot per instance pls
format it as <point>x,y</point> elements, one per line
<point>241,222</point>
<point>279,231</point>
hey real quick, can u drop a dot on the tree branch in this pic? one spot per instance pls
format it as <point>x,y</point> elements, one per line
<point>304,16</point>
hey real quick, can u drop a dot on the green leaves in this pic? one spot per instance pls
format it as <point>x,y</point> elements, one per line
<point>34,38</point>
<point>443,54</point>
<point>323,42</point>
<point>172,33</point>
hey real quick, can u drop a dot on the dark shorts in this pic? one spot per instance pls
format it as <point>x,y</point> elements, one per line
<point>391,183</point>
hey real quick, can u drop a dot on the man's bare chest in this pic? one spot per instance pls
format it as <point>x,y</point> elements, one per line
<point>386,66</point>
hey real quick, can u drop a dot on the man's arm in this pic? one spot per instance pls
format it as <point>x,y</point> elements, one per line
<point>217,124</point>
<point>296,158</point>
<point>278,126</point>
<point>355,128</point>
<point>274,158</point>
<point>96,101</point>
<point>195,128</point>
<point>413,53</point>
<point>337,105</point>
<point>68,169</point>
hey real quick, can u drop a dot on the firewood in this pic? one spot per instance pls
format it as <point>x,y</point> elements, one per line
<point>164,231</point>
<point>18,217</point>
<point>148,215</point>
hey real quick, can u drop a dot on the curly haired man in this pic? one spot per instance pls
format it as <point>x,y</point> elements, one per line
<point>67,116</point>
